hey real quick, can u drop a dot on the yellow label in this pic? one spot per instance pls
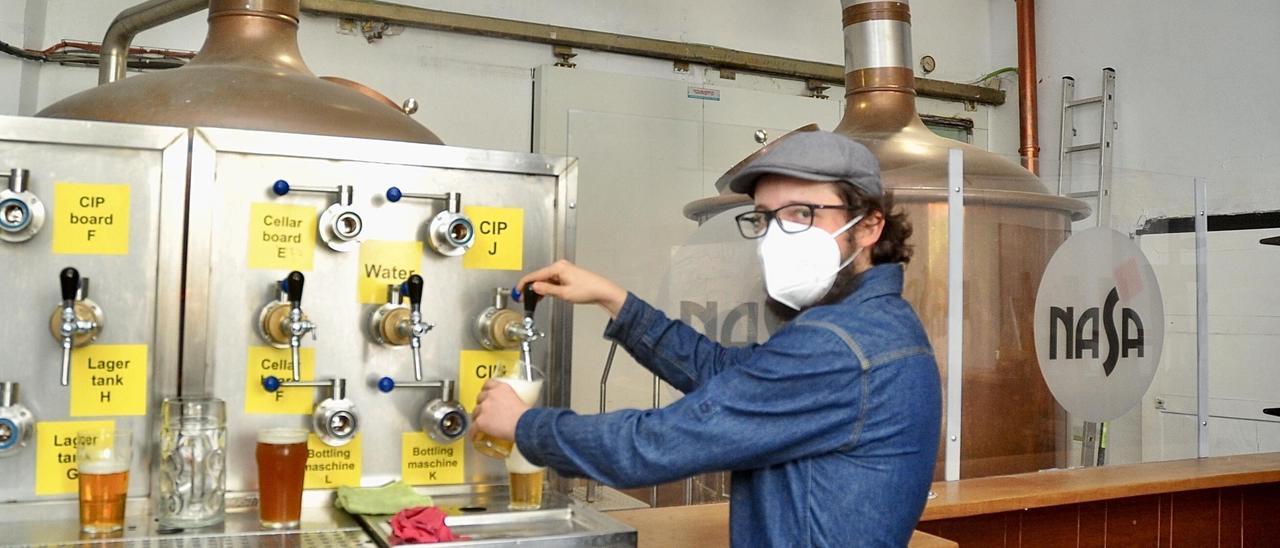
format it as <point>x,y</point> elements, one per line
<point>499,241</point>
<point>266,361</point>
<point>331,467</point>
<point>477,366</point>
<point>109,379</point>
<point>425,462</point>
<point>281,237</point>
<point>386,263</point>
<point>90,219</point>
<point>56,472</point>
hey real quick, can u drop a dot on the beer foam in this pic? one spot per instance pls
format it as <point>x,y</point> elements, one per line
<point>282,436</point>
<point>527,390</point>
<point>99,467</point>
<point>517,464</point>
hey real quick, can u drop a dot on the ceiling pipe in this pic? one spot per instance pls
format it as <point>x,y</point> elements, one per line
<point>1027,109</point>
<point>130,22</point>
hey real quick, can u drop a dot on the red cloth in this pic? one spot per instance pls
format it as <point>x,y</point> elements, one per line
<point>420,525</point>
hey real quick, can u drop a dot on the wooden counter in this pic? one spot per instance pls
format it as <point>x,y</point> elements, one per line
<point>707,526</point>
<point>1220,501</point>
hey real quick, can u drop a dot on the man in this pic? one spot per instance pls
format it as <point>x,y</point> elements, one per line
<point>831,426</point>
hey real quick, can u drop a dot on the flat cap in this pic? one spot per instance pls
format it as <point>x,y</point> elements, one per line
<point>812,155</point>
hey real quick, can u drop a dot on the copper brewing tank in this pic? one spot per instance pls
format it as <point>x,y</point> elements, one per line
<point>248,75</point>
<point>1011,422</point>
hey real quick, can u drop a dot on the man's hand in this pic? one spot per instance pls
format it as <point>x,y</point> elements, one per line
<point>498,409</point>
<point>569,282</point>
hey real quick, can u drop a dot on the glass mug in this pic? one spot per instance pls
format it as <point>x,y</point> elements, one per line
<point>526,482</point>
<point>282,467</point>
<point>528,390</point>
<point>103,456</point>
<point>193,476</point>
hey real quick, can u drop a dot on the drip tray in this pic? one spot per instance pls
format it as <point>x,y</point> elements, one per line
<point>486,521</point>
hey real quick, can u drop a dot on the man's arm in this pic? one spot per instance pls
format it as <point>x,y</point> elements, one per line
<point>669,348</point>
<point>800,394</point>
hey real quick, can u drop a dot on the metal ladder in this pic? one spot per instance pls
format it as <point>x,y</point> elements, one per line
<point>1093,442</point>
<point>1067,146</point>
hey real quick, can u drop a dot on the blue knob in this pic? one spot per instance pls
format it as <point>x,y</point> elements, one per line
<point>515,294</point>
<point>386,385</point>
<point>281,187</point>
<point>271,384</point>
<point>394,194</point>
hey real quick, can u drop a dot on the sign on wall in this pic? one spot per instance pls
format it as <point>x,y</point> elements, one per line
<point>1099,324</point>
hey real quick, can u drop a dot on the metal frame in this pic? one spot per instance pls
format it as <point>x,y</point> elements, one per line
<point>955,310</point>
<point>165,371</point>
<point>1202,319</point>
<point>210,144</point>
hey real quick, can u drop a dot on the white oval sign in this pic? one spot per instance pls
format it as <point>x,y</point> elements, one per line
<point>1099,324</point>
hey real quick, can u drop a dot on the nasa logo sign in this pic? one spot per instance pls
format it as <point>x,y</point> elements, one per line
<point>1099,324</point>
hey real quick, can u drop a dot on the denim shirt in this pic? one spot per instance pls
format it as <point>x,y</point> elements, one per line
<point>830,427</point>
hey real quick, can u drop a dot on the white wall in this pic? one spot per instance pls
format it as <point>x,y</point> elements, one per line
<point>477,91</point>
<point>1195,96</point>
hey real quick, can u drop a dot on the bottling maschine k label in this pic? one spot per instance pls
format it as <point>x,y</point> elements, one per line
<point>355,289</point>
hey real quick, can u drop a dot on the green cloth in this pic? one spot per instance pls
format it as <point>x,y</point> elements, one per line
<point>388,499</point>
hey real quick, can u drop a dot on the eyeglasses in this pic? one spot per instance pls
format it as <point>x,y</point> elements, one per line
<point>754,224</point>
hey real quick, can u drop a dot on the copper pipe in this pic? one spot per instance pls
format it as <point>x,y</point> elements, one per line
<point>1027,113</point>
<point>126,25</point>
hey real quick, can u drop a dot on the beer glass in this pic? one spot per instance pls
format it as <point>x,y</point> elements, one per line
<point>282,466</point>
<point>102,457</point>
<point>193,476</point>
<point>528,390</point>
<point>526,482</point>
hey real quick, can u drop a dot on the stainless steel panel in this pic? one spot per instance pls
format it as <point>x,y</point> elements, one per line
<point>320,528</point>
<point>232,169</point>
<point>139,292</point>
<point>484,520</point>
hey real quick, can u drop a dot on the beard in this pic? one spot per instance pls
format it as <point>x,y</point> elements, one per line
<point>846,283</point>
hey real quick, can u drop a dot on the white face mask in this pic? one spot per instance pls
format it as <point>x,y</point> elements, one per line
<point>800,268</point>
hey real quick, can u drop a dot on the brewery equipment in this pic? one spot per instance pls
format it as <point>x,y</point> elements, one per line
<point>450,231</point>
<point>340,224</point>
<point>281,323</point>
<point>1010,421</point>
<point>77,321</point>
<point>16,421</point>
<point>21,212</point>
<point>249,74</point>
<point>443,419</point>
<point>498,327</point>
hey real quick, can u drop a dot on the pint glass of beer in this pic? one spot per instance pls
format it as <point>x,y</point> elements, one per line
<point>102,457</point>
<point>526,482</point>
<point>528,390</point>
<point>282,465</point>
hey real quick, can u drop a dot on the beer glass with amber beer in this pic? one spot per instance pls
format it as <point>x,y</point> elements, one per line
<point>526,482</point>
<point>282,466</point>
<point>528,390</point>
<point>102,457</point>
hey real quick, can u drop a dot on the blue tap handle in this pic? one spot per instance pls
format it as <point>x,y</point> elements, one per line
<point>281,187</point>
<point>271,384</point>
<point>386,385</point>
<point>394,194</point>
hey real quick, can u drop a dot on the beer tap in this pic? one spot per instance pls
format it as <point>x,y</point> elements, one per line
<point>77,321</point>
<point>282,323</point>
<point>21,212</point>
<point>497,326</point>
<point>443,419</point>
<point>394,325</point>
<point>16,422</point>
<point>526,332</point>
<point>451,232</point>
<point>336,419</point>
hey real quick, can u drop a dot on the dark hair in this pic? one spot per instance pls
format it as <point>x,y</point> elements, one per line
<point>892,246</point>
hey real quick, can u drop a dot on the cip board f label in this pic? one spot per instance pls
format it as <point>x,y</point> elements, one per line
<point>1099,324</point>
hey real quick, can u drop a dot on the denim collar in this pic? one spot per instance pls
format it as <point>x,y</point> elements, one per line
<point>877,281</point>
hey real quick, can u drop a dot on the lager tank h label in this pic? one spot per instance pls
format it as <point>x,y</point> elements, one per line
<point>1099,324</point>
